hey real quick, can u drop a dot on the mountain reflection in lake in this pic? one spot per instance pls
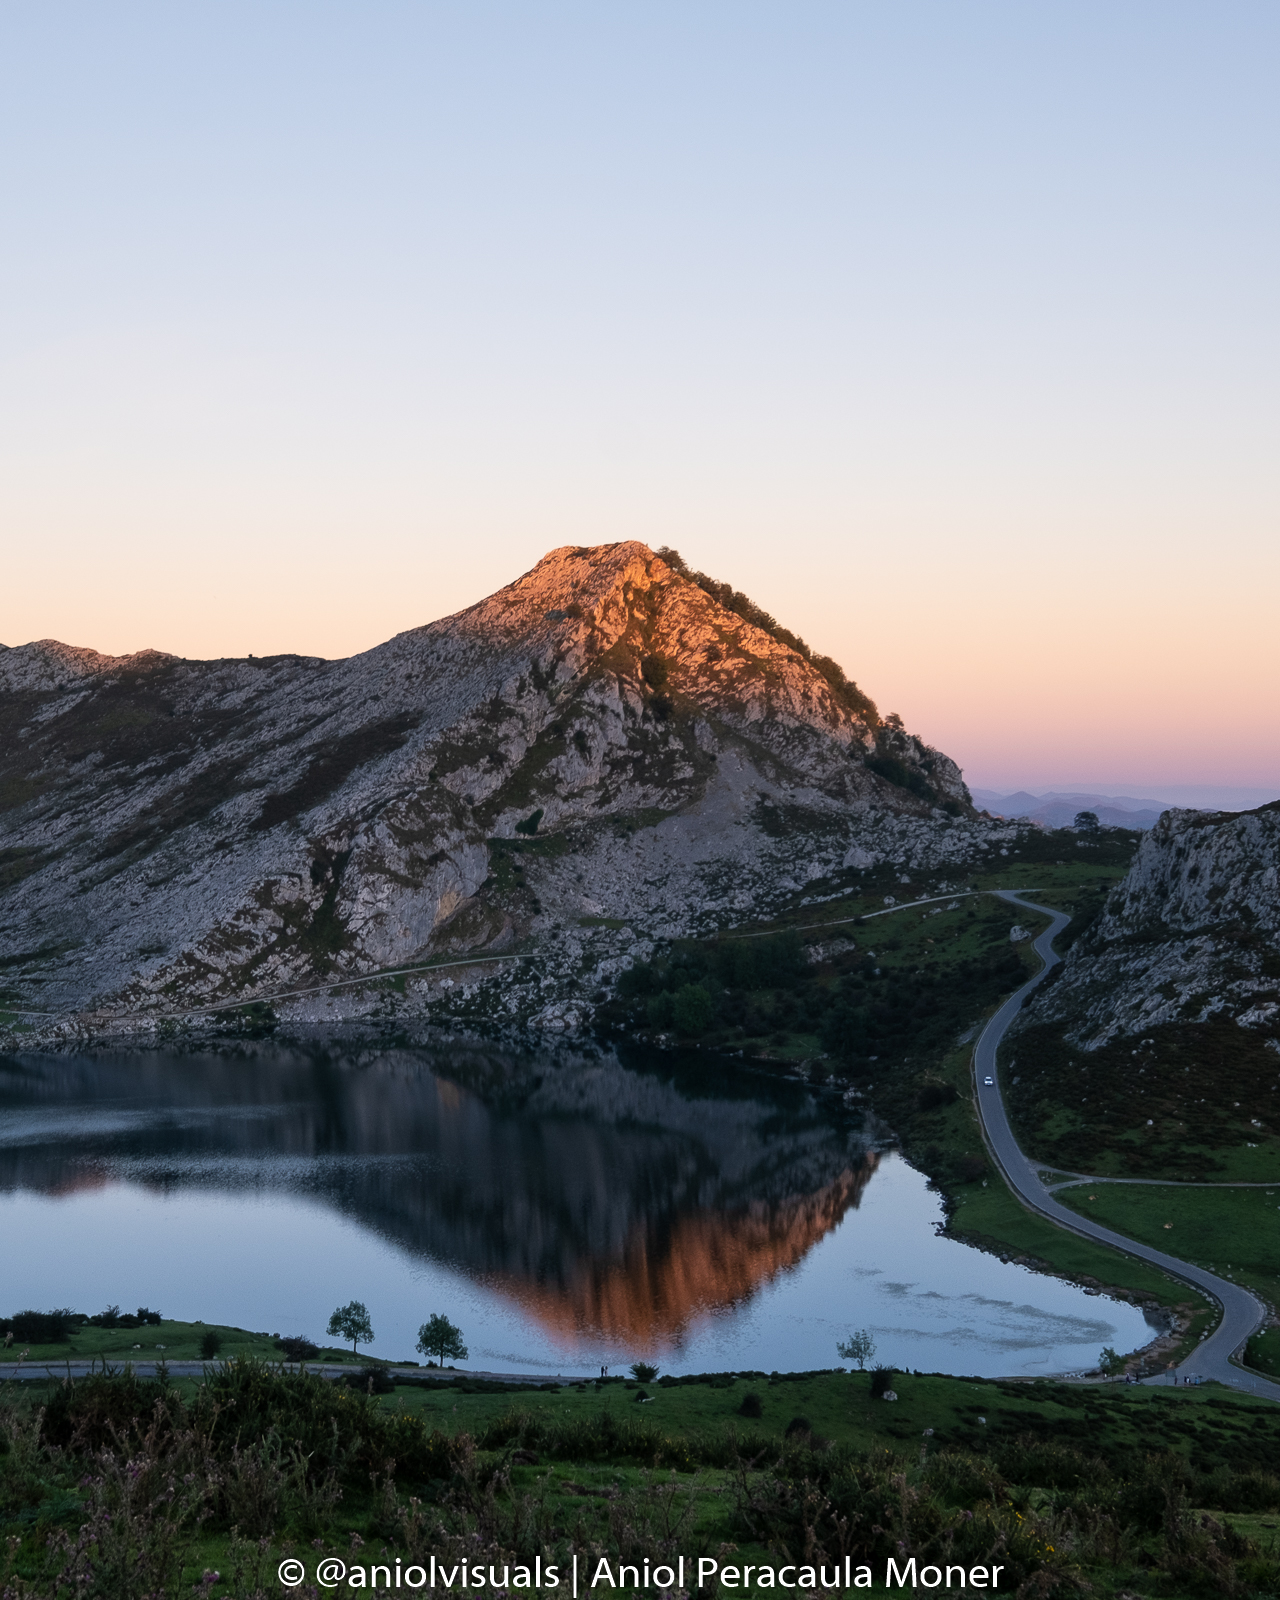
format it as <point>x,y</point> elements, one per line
<point>564,1212</point>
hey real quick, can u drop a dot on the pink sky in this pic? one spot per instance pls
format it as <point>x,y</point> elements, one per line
<point>949,334</point>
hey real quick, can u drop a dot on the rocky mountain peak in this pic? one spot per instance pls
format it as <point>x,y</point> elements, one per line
<point>625,611</point>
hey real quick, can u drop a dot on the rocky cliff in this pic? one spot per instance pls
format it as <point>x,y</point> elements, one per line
<point>1191,934</point>
<point>603,753</point>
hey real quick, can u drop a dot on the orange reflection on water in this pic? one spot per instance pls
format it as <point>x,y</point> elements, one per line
<point>81,1180</point>
<point>648,1295</point>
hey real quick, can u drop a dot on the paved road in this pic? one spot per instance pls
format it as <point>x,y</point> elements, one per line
<point>1242,1312</point>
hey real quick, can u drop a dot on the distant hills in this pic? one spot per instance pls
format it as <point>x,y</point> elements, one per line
<point>1055,810</point>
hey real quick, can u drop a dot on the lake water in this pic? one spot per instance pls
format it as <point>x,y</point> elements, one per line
<point>565,1213</point>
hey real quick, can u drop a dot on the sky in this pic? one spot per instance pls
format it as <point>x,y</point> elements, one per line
<point>947,331</point>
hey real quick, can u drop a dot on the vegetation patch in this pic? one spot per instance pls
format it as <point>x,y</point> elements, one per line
<point>179,807</point>
<point>843,689</point>
<point>117,1484</point>
<point>1263,1352</point>
<point>889,993</point>
<point>1184,1100</point>
<point>338,760</point>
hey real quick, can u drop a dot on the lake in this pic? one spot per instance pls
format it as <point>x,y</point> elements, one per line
<point>567,1212</point>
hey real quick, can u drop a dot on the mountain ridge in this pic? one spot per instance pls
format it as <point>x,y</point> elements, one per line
<point>600,740</point>
<point>1058,809</point>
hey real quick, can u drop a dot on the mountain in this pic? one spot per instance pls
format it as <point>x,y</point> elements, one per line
<point>1053,810</point>
<point>609,750</point>
<point>1190,934</point>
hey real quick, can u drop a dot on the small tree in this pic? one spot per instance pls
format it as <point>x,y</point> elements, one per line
<point>642,1372</point>
<point>351,1322</point>
<point>1086,822</point>
<point>210,1344</point>
<point>1110,1361</point>
<point>441,1338</point>
<point>859,1347</point>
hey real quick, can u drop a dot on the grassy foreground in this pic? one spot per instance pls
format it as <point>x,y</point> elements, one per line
<point>114,1486</point>
<point>166,1341</point>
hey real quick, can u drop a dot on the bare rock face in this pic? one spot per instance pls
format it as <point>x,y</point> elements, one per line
<point>1192,932</point>
<point>598,755</point>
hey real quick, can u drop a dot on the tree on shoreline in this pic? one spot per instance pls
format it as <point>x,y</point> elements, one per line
<point>441,1338</point>
<point>859,1347</point>
<point>351,1322</point>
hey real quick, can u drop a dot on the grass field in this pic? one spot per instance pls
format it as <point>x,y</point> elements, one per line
<point>1264,1352</point>
<point>1233,1232</point>
<point>838,1407</point>
<point>170,1341</point>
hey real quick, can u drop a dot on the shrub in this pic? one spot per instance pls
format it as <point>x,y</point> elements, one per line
<point>660,1011</point>
<point>373,1380</point>
<point>655,672</point>
<point>692,1010</point>
<point>298,1348</point>
<point>210,1344</point>
<point>530,824</point>
<point>40,1327</point>
<point>881,1380</point>
<point>969,1168</point>
<point>111,1318</point>
<point>760,963</point>
<point>336,1429</point>
<point>751,1406</point>
<point>104,1409</point>
<point>642,1372</point>
<point>896,771</point>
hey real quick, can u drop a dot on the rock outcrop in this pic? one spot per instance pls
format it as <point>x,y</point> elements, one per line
<point>1191,933</point>
<point>599,755</point>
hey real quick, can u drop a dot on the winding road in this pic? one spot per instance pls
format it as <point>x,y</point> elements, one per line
<point>1242,1312</point>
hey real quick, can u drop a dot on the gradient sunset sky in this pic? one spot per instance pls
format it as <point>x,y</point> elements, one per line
<point>948,331</point>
